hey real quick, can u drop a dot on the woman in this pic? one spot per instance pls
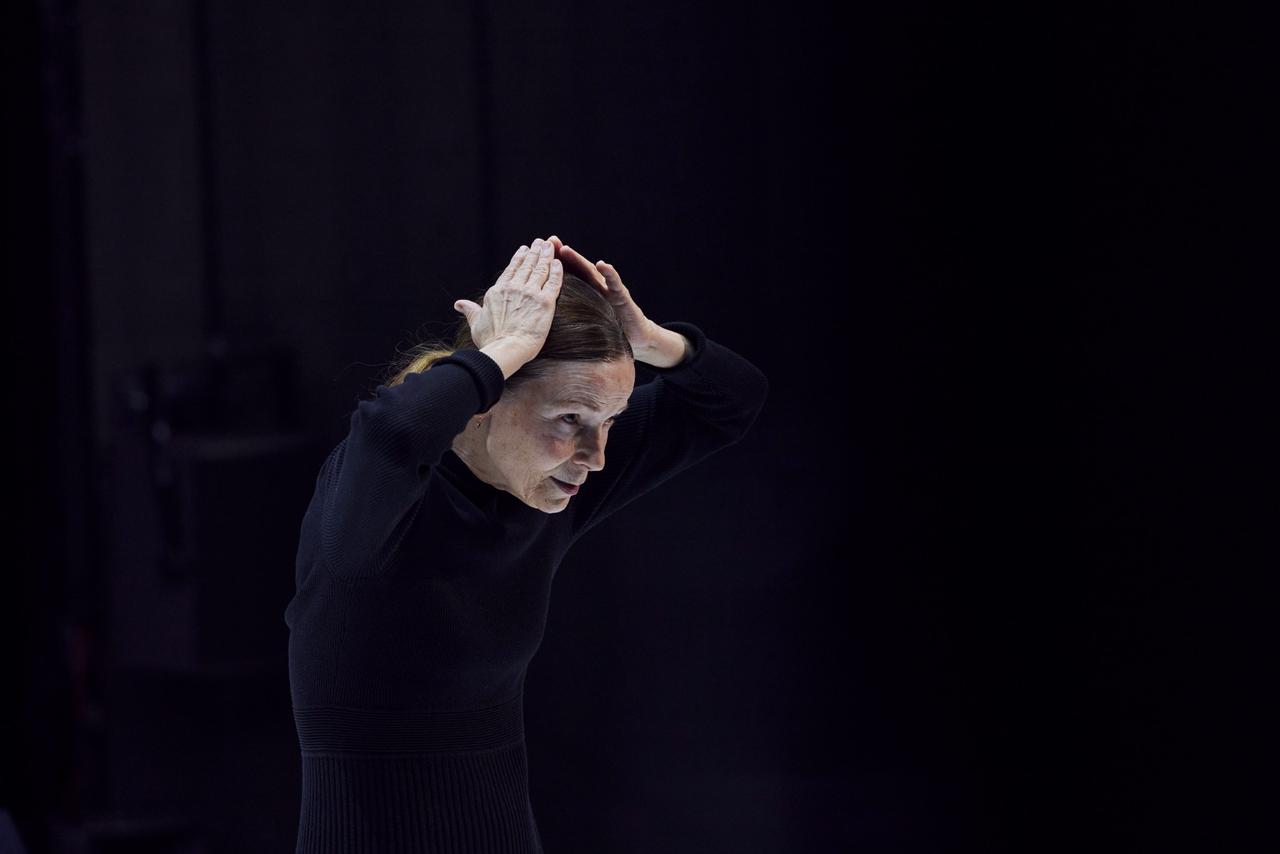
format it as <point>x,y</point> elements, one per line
<point>427,553</point>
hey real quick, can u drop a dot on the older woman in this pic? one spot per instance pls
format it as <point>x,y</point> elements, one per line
<point>427,553</point>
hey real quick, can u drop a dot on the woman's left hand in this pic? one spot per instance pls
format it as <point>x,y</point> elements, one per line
<point>641,332</point>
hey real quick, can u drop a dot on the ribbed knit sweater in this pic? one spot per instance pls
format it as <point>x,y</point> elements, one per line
<point>422,595</point>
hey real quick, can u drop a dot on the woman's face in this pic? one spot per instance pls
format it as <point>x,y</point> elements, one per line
<point>552,428</point>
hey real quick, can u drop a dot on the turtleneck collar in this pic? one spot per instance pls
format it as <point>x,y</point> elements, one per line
<point>487,498</point>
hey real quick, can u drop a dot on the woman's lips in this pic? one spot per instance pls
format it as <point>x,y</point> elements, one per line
<point>571,488</point>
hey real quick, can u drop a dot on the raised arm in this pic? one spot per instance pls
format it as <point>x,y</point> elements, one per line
<point>375,478</point>
<point>703,398</point>
<point>376,475</point>
<point>685,413</point>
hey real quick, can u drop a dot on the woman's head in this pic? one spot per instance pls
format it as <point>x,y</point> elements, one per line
<point>553,420</point>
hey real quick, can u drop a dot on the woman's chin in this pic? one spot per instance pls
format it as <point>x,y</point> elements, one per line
<point>548,501</point>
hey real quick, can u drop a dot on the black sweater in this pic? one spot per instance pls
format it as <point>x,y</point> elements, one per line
<point>422,595</point>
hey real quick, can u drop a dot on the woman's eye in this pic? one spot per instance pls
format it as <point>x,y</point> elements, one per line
<point>562,417</point>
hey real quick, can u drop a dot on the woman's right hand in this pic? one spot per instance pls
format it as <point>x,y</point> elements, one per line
<point>518,308</point>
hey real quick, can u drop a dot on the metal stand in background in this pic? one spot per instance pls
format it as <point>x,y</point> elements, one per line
<point>202,537</point>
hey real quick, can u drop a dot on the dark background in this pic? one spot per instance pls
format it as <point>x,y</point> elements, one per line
<point>983,577</point>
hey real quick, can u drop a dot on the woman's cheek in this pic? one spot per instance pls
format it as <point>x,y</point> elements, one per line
<point>559,447</point>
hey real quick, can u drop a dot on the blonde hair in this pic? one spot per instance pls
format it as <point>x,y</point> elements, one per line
<point>420,359</point>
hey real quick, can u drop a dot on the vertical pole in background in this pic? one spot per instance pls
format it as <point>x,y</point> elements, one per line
<point>213,310</point>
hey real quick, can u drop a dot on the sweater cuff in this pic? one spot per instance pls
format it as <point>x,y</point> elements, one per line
<point>696,337</point>
<point>484,370</point>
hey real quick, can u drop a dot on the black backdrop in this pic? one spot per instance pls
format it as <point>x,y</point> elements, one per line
<point>980,578</point>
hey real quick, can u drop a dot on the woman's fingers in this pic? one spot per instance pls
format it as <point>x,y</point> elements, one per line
<point>542,267</point>
<point>514,263</point>
<point>610,276</point>
<point>580,266</point>
<point>521,304</point>
<point>574,262</point>
<point>538,264</point>
<point>467,309</point>
<point>513,267</point>
<point>555,277</point>
<point>528,262</point>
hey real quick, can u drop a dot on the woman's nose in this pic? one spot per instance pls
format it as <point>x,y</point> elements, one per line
<point>591,450</point>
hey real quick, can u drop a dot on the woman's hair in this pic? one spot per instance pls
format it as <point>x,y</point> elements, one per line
<point>584,329</point>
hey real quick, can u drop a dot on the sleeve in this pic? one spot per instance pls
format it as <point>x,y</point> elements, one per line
<point>376,476</point>
<point>680,417</point>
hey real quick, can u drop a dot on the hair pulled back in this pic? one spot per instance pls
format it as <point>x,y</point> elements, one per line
<point>584,329</point>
